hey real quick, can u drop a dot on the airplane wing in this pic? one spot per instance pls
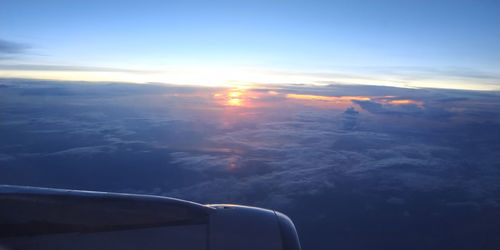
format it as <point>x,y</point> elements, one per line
<point>46,218</point>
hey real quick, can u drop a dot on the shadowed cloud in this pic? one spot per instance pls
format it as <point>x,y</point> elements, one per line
<point>9,47</point>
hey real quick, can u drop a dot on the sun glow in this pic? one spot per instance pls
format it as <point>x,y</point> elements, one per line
<point>243,96</point>
<point>234,102</point>
<point>398,102</point>
<point>328,98</point>
<point>229,76</point>
<point>234,94</point>
<point>233,97</point>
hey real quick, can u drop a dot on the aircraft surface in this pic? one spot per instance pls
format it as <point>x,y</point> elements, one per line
<point>47,218</point>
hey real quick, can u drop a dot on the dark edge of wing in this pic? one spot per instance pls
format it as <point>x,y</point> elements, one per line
<point>31,211</point>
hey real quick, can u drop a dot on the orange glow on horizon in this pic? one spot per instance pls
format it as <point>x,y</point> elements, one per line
<point>343,99</point>
<point>232,166</point>
<point>328,102</point>
<point>397,102</point>
<point>248,98</point>
<point>328,98</point>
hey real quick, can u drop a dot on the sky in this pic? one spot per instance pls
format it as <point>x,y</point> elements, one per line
<point>439,44</point>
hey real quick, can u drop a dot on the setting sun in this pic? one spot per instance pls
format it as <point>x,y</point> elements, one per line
<point>234,102</point>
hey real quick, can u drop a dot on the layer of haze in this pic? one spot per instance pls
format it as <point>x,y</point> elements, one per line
<point>445,44</point>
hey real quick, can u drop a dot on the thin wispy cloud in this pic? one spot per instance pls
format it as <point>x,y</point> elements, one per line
<point>43,67</point>
<point>10,47</point>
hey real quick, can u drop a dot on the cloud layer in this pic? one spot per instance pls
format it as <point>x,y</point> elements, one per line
<point>336,153</point>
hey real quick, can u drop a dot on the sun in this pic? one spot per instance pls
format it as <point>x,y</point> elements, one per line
<point>234,102</point>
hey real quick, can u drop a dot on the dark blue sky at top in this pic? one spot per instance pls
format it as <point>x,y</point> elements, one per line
<point>355,167</point>
<point>453,44</point>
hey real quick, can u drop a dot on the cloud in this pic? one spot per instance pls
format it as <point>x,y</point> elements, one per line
<point>9,47</point>
<point>410,109</point>
<point>306,155</point>
<point>6,157</point>
<point>84,150</point>
<point>388,109</point>
<point>403,75</point>
<point>45,67</point>
<point>273,159</point>
<point>290,159</point>
<point>395,201</point>
<point>333,164</point>
<point>427,72</point>
<point>468,204</point>
<point>350,118</point>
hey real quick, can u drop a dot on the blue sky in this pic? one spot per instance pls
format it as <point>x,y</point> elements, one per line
<point>449,44</point>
